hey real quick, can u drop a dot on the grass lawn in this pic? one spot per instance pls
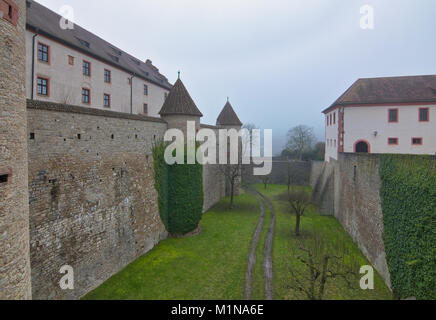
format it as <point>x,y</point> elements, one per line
<point>212,265</point>
<point>285,245</point>
<point>209,266</point>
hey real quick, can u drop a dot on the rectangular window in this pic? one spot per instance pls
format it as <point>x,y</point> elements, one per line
<point>42,86</point>
<point>71,60</point>
<point>145,108</point>
<point>417,141</point>
<point>107,100</point>
<point>86,97</point>
<point>86,68</point>
<point>145,90</point>
<point>107,76</point>
<point>424,114</point>
<point>393,141</point>
<point>43,52</point>
<point>393,115</point>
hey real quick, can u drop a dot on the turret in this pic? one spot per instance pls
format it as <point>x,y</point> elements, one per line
<point>228,119</point>
<point>180,108</point>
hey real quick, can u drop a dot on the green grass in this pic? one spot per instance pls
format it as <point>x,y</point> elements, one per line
<point>211,265</point>
<point>285,245</point>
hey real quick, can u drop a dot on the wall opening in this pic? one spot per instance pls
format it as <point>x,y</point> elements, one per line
<point>32,136</point>
<point>10,11</point>
<point>4,178</point>
<point>362,147</point>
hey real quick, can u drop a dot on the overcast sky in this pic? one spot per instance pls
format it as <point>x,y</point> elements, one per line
<point>281,62</point>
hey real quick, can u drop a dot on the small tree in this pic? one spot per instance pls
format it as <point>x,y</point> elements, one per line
<point>231,172</point>
<point>321,263</point>
<point>299,200</point>
<point>300,139</point>
<point>266,180</point>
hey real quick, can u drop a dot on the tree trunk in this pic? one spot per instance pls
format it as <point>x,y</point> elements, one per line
<point>231,194</point>
<point>297,226</point>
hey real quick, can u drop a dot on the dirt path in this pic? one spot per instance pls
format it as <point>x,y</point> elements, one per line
<point>268,267</point>
<point>252,256</point>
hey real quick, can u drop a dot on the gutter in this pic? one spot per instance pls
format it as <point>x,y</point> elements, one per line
<point>33,63</point>
<point>131,93</point>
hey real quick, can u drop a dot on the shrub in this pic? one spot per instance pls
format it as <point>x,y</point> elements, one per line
<point>180,193</point>
<point>408,194</point>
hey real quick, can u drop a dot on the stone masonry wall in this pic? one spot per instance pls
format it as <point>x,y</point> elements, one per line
<point>349,189</point>
<point>93,205</point>
<point>14,209</point>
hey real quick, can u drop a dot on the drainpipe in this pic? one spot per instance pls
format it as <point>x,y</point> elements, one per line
<point>131,93</point>
<point>33,63</point>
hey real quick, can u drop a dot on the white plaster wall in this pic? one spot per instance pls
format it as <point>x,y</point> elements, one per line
<point>362,122</point>
<point>331,150</point>
<point>66,81</point>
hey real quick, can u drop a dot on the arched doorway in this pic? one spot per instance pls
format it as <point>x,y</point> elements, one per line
<point>362,146</point>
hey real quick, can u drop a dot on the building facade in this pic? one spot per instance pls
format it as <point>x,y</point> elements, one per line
<point>74,66</point>
<point>384,115</point>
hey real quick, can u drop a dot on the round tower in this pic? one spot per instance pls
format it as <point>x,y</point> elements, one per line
<point>179,108</point>
<point>14,195</point>
<point>228,119</point>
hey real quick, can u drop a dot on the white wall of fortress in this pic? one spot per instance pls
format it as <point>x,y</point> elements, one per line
<point>67,81</point>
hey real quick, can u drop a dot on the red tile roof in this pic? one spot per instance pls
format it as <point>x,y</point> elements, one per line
<point>413,89</point>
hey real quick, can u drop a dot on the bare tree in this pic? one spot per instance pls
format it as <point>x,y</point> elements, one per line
<point>321,263</point>
<point>300,139</point>
<point>248,140</point>
<point>266,180</point>
<point>299,200</point>
<point>232,173</point>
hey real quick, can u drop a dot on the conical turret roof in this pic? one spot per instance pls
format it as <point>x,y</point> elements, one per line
<point>179,102</point>
<point>228,117</point>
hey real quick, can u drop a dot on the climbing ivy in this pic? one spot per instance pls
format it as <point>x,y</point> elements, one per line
<point>180,193</point>
<point>408,194</point>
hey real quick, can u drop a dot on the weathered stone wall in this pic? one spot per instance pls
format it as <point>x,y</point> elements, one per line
<point>93,204</point>
<point>299,171</point>
<point>349,189</point>
<point>14,210</point>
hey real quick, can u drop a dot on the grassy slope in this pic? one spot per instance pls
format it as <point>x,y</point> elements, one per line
<point>285,243</point>
<point>211,265</point>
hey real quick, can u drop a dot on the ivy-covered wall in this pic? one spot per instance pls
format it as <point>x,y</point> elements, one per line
<point>408,194</point>
<point>180,193</point>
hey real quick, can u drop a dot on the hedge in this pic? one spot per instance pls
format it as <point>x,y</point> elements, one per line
<point>180,193</point>
<point>408,194</point>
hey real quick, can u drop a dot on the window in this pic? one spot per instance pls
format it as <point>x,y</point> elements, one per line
<point>42,86</point>
<point>107,76</point>
<point>424,114</point>
<point>86,68</point>
<point>331,119</point>
<point>43,52</point>
<point>107,100</point>
<point>334,118</point>
<point>417,141</point>
<point>86,97</point>
<point>393,141</point>
<point>165,95</point>
<point>145,108</point>
<point>71,60</point>
<point>145,90</point>
<point>393,115</point>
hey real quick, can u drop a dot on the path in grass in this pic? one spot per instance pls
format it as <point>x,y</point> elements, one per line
<point>268,264</point>
<point>252,257</point>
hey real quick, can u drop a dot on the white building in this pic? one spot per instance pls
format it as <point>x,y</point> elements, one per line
<point>77,67</point>
<point>384,115</point>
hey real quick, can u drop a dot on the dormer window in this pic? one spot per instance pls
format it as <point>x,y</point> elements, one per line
<point>84,43</point>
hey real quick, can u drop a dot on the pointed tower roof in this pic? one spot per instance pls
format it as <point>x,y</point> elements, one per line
<point>228,117</point>
<point>179,102</point>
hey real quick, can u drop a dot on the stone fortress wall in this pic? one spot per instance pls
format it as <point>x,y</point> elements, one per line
<point>349,189</point>
<point>14,209</point>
